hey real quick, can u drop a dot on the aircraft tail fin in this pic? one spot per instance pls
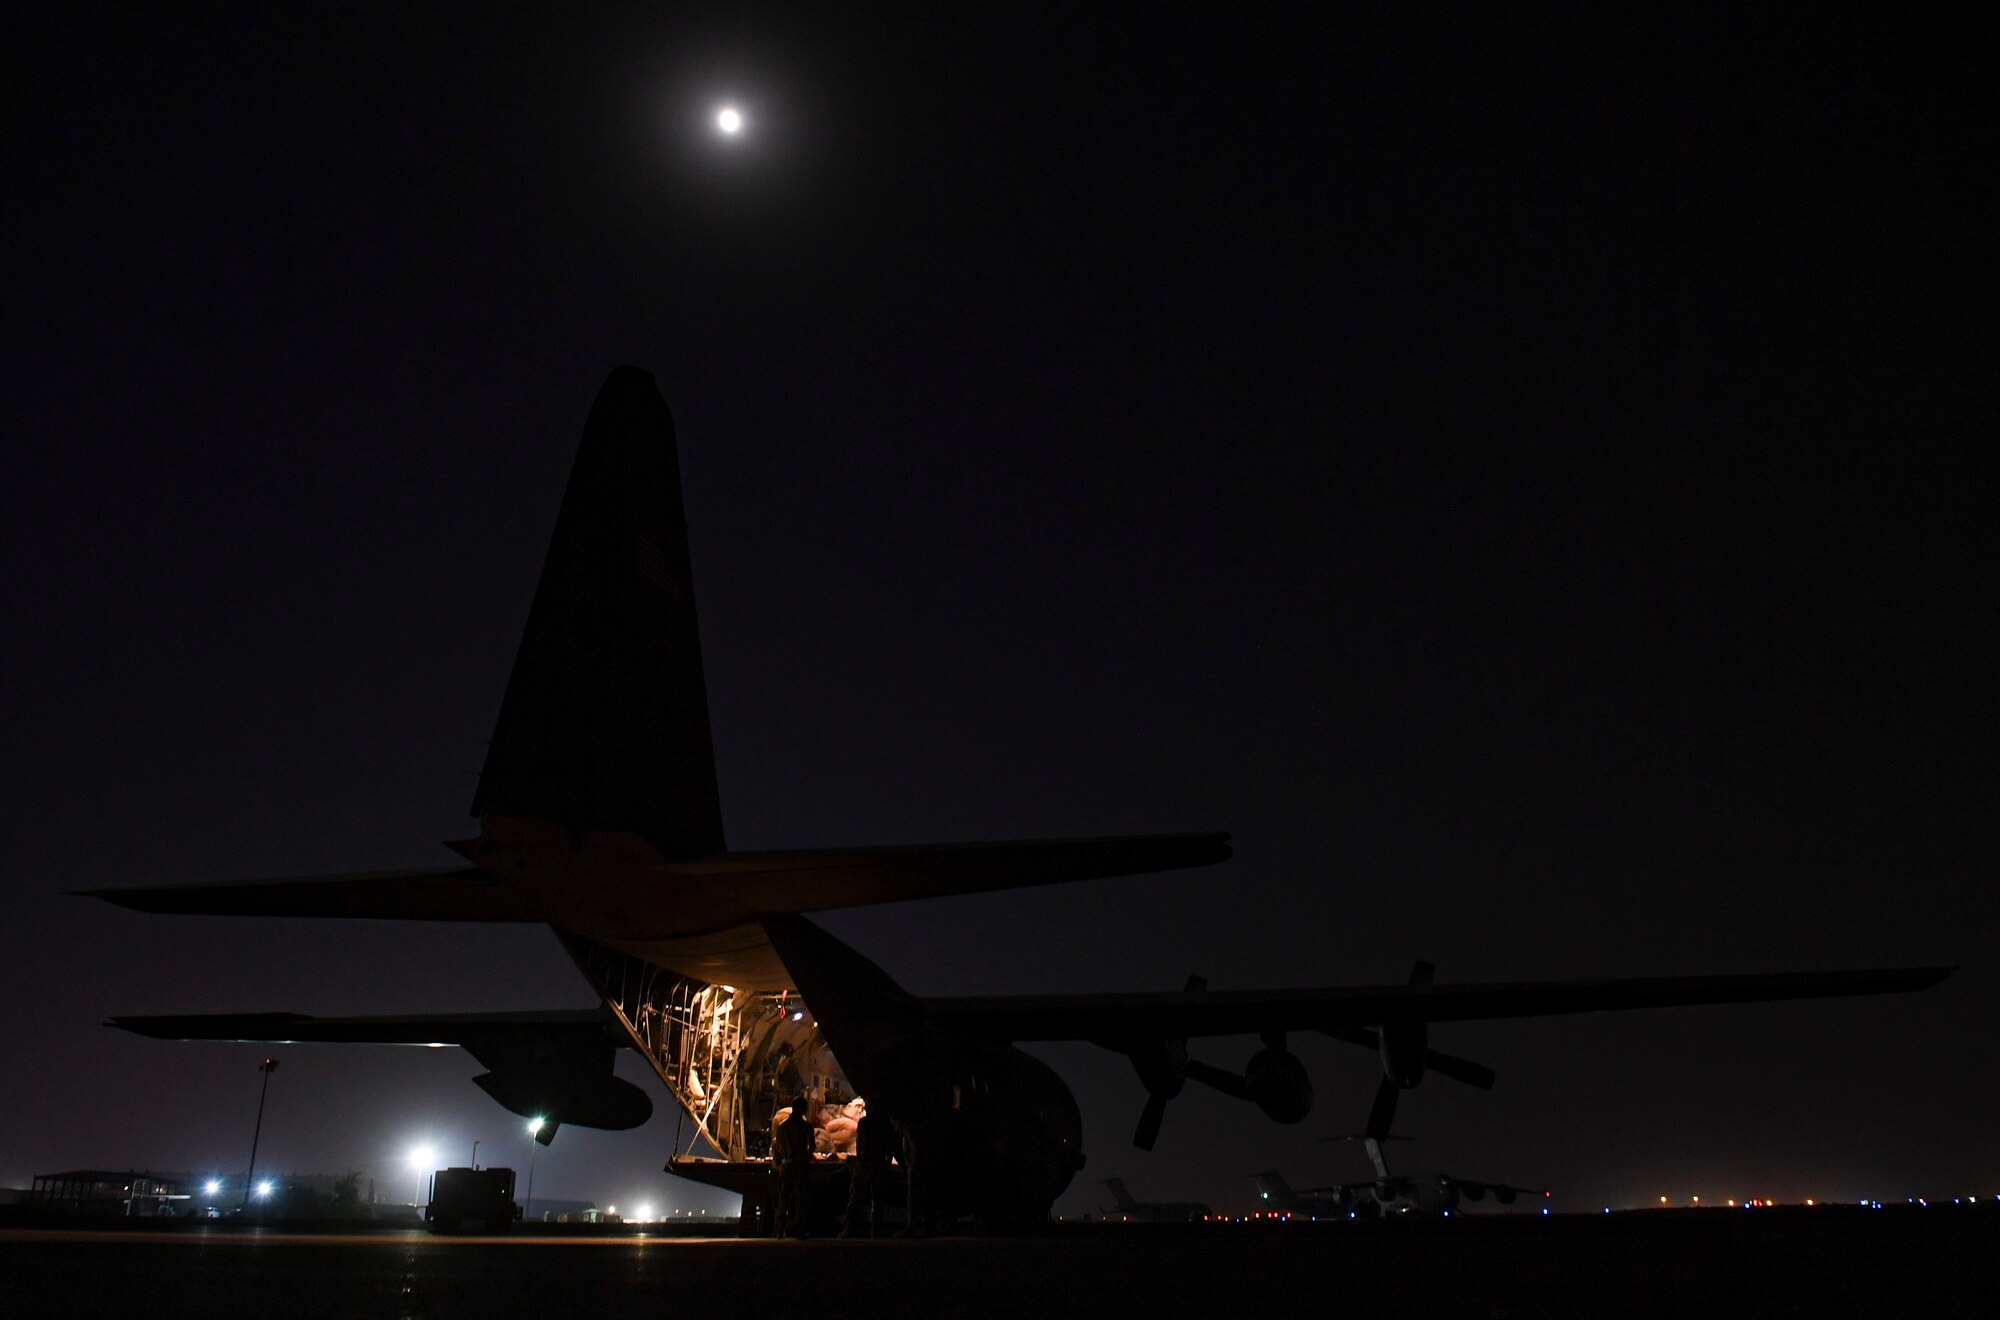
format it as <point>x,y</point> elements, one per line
<point>1119,1192</point>
<point>1272,1186</point>
<point>605,722</point>
<point>1373,1141</point>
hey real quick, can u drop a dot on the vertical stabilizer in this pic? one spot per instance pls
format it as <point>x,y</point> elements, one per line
<point>1272,1186</point>
<point>605,722</point>
<point>1119,1194</point>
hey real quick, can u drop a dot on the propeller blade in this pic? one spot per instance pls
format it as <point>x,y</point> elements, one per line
<point>1445,1065</point>
<point>1150,1118</point>
<point>1220,1079</point>
<point>1459,1070</point>
<point>1382,1114</point>
<point>1361,1036</point>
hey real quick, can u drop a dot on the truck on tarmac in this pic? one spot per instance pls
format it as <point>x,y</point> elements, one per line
<point>481,1197</point>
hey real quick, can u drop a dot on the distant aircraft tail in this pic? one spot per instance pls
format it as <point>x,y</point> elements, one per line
<point>605,722</point>
<point>1272,1187</point>
<point>1119,1193</point>
<point>1373,1143</point>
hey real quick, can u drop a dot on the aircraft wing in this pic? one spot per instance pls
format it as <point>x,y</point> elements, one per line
<point>632,892</point>
<point>554,1066</point>
<point>416,1029</point>
<point>1115,1018</point>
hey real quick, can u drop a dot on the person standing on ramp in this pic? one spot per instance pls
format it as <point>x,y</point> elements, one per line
<point>875,1145</point>
<point>791,1157</point>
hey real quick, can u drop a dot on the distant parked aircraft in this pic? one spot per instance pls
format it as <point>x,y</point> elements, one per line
<point>1151,1212</point>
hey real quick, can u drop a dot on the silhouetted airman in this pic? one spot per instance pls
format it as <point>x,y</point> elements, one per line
<point>875,1145</point>
<point>916,1183</point>
<point>791,1160</point>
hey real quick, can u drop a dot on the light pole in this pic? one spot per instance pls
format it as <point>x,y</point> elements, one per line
<point>534,1126</point>
<point>421,1159</point>
<point>267,1067</point>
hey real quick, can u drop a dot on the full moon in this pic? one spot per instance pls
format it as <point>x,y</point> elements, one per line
<point>729,120</point>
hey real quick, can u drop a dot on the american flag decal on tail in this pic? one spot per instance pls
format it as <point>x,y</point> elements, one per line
<point>652,565</point>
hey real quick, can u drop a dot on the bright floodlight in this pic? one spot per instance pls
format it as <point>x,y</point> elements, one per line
<point>264,1187</point>
<point>645,1212</point>
<point>730,120</point>
<point>421,1157</point>
<point>212,1186</point>
<point>534,1126</point>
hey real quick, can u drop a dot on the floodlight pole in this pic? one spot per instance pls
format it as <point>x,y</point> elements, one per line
<point>534,1147</point>
<point>267,1067</point>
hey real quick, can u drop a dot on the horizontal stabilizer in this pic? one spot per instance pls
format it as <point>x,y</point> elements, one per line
<point>612,891</point>
<point>816,879</point>
<point>1112,1019</point>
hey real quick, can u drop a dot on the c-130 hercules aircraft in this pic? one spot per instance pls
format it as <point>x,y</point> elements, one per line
<point>599,817</point>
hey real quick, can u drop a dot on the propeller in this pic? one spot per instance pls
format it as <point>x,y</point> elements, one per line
<point>1437,1061</point>
<point>1164,1068</point>
<point>1406,1056</point>
<point>1220,1079</point>
<point>1398,1054</point>
<point>1150,1119</point>
<point>1382,1114</point>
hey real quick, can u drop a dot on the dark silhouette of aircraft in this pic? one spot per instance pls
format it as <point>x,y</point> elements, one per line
<point>1386,1193</point>
<point>1151,1212</point>
<point>599,818</point>
<point>1428,1193</point>
<point>1390,1193</point>
<point>1277,1196</point>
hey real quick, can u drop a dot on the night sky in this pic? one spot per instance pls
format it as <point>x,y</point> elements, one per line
<point>1518,474</point>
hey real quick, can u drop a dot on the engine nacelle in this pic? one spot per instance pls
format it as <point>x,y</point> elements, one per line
<point>1404,1045</point>
<point>1277,1081</point>
<point>594,1102</point>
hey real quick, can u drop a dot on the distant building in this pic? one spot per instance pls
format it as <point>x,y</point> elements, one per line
<point>211,1195</point>
<point>543,1209</point>
<point>109,1192</point>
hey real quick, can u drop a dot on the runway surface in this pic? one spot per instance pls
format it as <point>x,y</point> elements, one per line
<point>1767,1264</point>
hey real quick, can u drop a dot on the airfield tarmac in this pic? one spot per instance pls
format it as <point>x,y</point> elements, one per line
<point>1767,1263</point>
